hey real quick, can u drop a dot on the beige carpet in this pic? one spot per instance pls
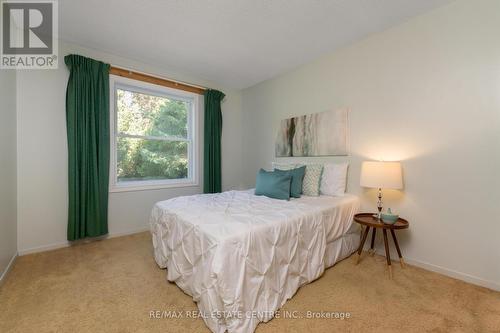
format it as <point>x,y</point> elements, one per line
<point>112,285</point>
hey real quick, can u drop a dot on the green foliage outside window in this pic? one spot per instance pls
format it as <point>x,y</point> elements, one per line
<point>159,125</point>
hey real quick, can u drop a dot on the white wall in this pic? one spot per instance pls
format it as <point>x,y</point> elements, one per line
<point>428,93</point>
<point>8,229</point>
<point>42,155</point>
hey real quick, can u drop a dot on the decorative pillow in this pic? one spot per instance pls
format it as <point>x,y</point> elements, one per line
<point>297,175</point>
<point>273,185</point>
<point>334,179</point>
<point>312,180</point>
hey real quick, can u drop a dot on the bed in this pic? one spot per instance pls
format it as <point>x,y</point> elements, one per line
<point>242,256</point>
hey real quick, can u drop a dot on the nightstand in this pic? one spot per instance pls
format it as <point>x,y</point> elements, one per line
<point>367,220</point>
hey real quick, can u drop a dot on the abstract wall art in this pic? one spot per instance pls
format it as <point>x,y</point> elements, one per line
<point>318,134</point>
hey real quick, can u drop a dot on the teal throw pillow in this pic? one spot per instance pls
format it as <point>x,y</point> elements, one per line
<point>297,175</point>
<point>273,185</point>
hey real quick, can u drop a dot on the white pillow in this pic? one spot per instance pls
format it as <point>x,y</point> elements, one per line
<point>334,179</point>
<point>285,166</point>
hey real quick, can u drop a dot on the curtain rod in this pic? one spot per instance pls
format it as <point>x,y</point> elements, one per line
<point>156,80</point>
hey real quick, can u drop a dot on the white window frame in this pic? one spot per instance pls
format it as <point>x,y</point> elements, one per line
<point>116,82</point>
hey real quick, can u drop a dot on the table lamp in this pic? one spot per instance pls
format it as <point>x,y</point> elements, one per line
<point>381,175</point>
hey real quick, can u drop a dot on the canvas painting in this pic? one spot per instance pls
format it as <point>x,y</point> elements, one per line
<point>317,134</point>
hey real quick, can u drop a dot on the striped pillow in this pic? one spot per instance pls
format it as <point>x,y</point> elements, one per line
<point>312,180</point>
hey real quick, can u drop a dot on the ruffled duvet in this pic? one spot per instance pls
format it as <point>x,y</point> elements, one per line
<point>241,256</point>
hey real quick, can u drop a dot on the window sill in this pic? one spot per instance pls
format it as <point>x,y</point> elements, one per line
<point>151,187</point>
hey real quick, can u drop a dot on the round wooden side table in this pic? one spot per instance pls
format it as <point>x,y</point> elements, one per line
<point>369,221</point>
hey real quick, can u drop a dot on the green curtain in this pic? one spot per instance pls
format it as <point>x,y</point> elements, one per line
<point>87,121</point>
<point>212,179</point>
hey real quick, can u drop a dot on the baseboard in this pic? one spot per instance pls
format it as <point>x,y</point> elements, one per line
<point>7,269</point>
<point>64,244</point>
<point>455,274</point>
<point>448,272</point>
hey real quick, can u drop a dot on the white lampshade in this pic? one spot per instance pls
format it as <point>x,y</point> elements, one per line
<point>381,175</point>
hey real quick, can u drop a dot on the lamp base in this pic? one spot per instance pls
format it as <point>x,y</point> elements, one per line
<point>379,203</point>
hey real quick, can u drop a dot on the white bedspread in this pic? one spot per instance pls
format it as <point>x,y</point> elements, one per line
<point>241,256</point>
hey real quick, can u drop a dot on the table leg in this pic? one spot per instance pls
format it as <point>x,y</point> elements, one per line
<point>401,261</point>
<point>360,249</point>
<point>387,255</point>
<point>372,250</point>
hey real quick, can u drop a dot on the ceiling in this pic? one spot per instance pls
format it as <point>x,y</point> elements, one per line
<point>236,43</point>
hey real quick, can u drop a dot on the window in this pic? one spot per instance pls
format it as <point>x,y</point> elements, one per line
<point>153,142</point>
